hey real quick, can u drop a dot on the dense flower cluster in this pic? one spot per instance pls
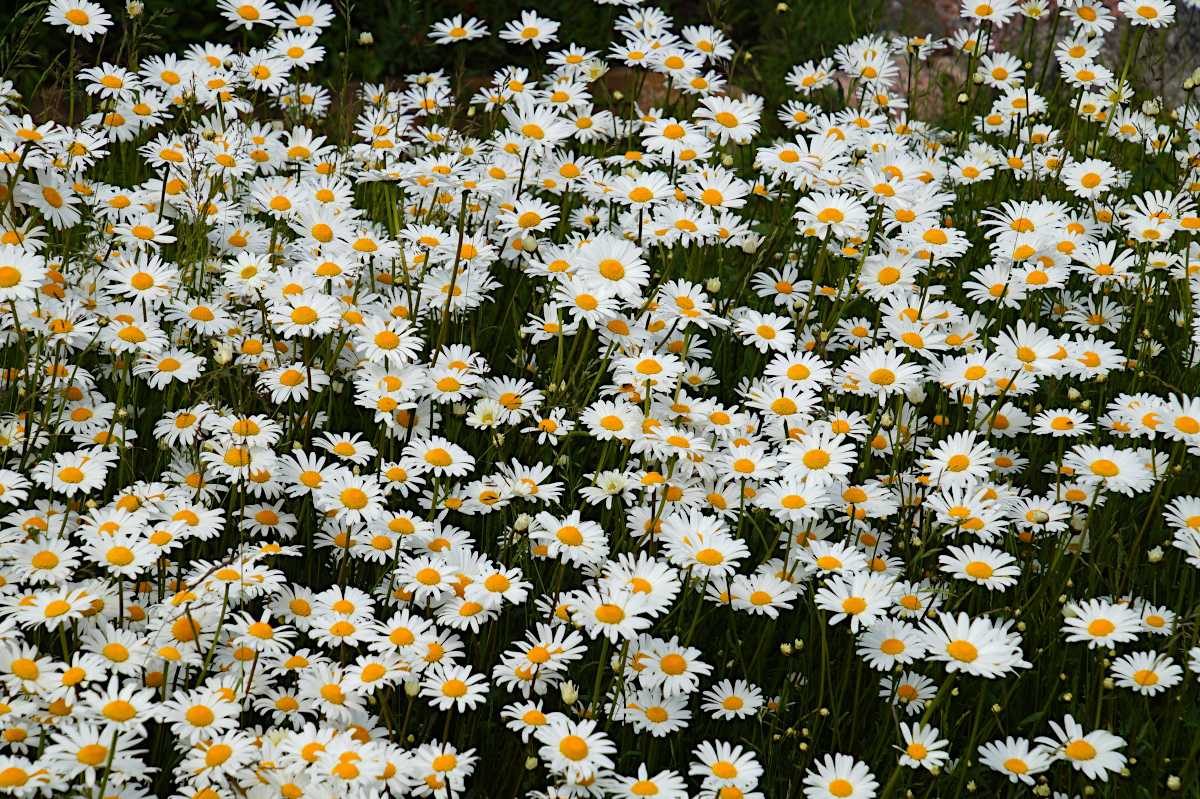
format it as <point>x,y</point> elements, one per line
<point>530,426</point>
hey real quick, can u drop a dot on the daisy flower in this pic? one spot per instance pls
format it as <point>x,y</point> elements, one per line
<point>1094,753</point>
<point>79,17</point>
<point>922,747</point>
<point>530,28</point>
<point>838,777</point>
<point>1014,758</point>
<point>1146,673</point>
<point>453,29</point>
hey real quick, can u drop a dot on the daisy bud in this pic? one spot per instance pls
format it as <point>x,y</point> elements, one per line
<point>803,746</point>
<point>1042,790</point>
<point>1089,791</point>
<point>1068,696</point>
<point>824,712</point>
<point>91,504</point>
<point>570,694</point>
<point>936,770</point>
<point>460,409</point>
<point>529,244</point>
<point>970,783</point>
<point>498,440</point>
<point>776,737</point>
<point>1109,684</point>
<point>227,63</point>
<point>209,134</point>
<point>1085,405</point>
<point>277,124</point>
<point>713,285</point>
<point>977,79</point>
<point>1151,107</point>
<point>727,160</point>
<point>1155,555</point>
<point>782,8</point>
<point>962,98</point>
<point>785,649</point>
<point>562,461</point>
<point>1021,626</point>
<point>531,763</point>
<point>618,96</point>
<point>522,523</point>
<point>366,39</point>
<point>1040,517</point>
<point>916,395</point>
<point>1077,523</point>
<point>135,8</point>
<point>886,421</point>
<point>1073,394</point>
<point>337,387</point>
<point>412,688</point>
<point>224,353</point>
<point>798,645</point>
<point>163,445</point>
<point>471,111</point>
<point>1173,783</point>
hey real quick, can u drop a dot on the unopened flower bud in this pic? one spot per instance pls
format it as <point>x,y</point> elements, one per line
<point>963,98</point>
<point>412,688</point>
<point>135,8</point>
<point>531,763</point>
<point>1155,555</point>
<point>529,244</point>
<point>1174,783</point>
<point>782,8</point>
<point>366,39</point>
<point>570,693</point>
<point>713,285</point>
